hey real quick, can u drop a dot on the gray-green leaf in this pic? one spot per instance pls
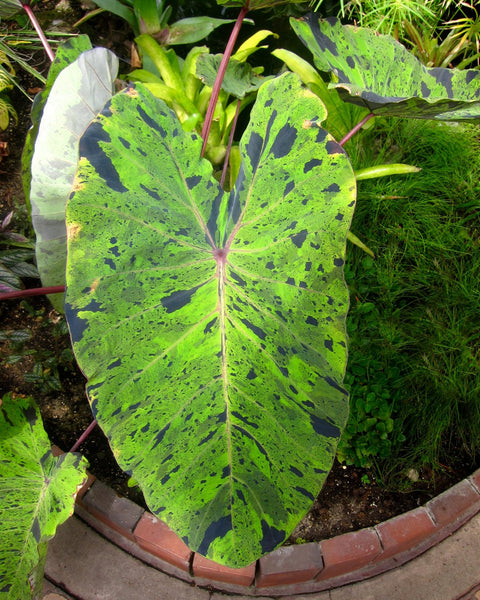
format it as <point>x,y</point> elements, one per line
<point>80,91</point>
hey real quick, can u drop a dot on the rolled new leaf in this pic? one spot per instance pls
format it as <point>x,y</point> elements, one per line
<point>37,493</point>
<point>80,91</point>
<point>377,72</point>
<point>211,325</point>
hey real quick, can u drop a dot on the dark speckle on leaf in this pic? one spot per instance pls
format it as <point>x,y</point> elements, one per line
<point>306,493</point>
<point>151,193</point>
<point>333,148</point>
<point>311,321</point>
<point>324,427</point>
<point>338,262</point>
<point>328,345</point>
<point>244,420</point>
<point>193,181</point>
<point>110,263</point>
<point>295,471</point>
<point>237,279</point>
<point>270,265</point>
<point>350,62</point>
<point>300,238</point>
<point>284,141</point>
<point>209,325</point>
<point>92,145</point>
<point>114,364</point>
<point>444,77</point>
<point>332,188</point>
<point>217,529</point>
<point>178,300</point>
<point>288,188</point>
<point>271,537</point>
<point>290,281</point>
<point>151,122</point>
<point>256,330</point>
<point>471,75</point>
<point>321,135</point>
<point>314,162</point>
<point>425,90</point>
<point>254,149</point>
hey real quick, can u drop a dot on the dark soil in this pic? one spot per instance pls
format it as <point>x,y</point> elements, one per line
<point>351,498</point>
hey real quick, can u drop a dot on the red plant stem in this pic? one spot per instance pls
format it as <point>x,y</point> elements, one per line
<point>54,289</point>
<point>357,127</point>
<point>84,436</point>
<point>39,30</point>
<point>229,147</point>
<point>220,75</point>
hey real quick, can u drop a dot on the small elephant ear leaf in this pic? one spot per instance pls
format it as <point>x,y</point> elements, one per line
<point>79,92</point>
<point>37,493</point>
<point>377,72</point>
<point>211,326</point>
<point>240,77</point>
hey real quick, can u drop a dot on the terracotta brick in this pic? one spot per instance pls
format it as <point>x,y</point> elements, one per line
<point>475,480</point>
<point>156,537</point>
<point>56,451</point>
<point>85,487</point>
<point>208,569</point>
<point>405,532</point>
<point>457,503</point>
<point>290,565</point>
<point>349,552</point>
<point>117,512</point>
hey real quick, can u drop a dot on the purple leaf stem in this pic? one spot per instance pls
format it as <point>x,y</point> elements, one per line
<point>84,436</point>
<point>357,127</point>
<point>54,289</point>
<point>230,142</point>
<point>39,30</point>
<point>220,75</point>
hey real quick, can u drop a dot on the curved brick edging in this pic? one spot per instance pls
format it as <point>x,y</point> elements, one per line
<point>299,569</point>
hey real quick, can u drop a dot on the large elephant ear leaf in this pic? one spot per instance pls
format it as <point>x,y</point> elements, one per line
<point>377,72</point>
<point>37,493</point>
<point>211,326</point>
<point>79,92</point>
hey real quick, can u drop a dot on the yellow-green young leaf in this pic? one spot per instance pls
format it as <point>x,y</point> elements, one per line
<point>376,72</point>
<point>6,111</point>
<point>385,171</point>
<point>37,493</point>
<point>211,325</point>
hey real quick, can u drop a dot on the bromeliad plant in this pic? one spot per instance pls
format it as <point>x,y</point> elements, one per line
<point>211,324</point>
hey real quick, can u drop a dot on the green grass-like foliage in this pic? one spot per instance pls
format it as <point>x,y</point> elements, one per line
<point>377,72</point>
<point>211,325</point>
<point>413,324</point>
<point>37,492</point>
